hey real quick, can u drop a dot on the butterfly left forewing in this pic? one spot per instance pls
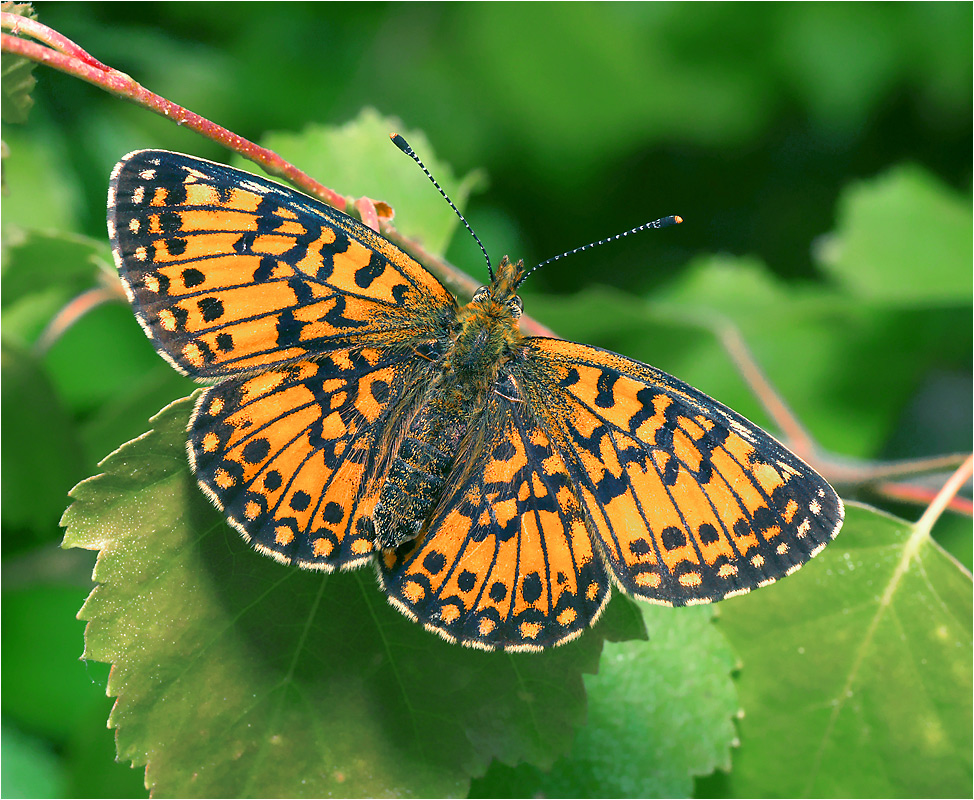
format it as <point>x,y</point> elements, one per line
<point>688,501</point>
<point>230,273</point>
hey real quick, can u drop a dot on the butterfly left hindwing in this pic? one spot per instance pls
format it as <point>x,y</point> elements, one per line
<point>294,456</point>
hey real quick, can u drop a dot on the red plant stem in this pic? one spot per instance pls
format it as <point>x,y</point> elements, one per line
<point>71,59</point>
<point>24,25</point>
<point>68,57</point>
<point>921,496</point>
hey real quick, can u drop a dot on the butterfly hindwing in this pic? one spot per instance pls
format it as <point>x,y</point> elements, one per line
<point>229,273</point>
<point>688,501</point>
<point>506,559</point>
<point>294,456</point>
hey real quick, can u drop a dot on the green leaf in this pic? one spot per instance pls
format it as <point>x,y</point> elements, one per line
<point>42,187</point>
<point>660,712</point>
<point>236,675</point>
<point>856,678</point>
<point>358,157</point>
<point>30,768</point>
<point>902,237</point>
<point>42,272</point>
<point>103,359</point>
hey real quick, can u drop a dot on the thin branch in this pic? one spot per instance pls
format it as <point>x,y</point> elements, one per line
<point>73,60</point>
<point>19,25</point>
<point>73,311</point>
<point>799,440</point>
<point>946,494</point>
<point>919,495</point>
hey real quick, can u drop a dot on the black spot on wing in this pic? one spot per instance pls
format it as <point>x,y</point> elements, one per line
<point>605,385</point>
<point>192,277</point>
<point>256,451</point>
<point>367,275</point>
<point>210,308</point>
<point>531,587</point>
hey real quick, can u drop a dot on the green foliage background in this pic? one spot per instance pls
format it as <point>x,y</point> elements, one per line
<point>820,155</point>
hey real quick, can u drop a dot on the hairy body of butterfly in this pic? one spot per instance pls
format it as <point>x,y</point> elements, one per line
<point>481,342</point>
<point>499,482</point>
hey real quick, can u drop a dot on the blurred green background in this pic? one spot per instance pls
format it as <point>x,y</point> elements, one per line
<point>749,121</point>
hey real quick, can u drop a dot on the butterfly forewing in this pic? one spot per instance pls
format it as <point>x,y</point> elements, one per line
<point>688,501</point>
<point>231,273</point>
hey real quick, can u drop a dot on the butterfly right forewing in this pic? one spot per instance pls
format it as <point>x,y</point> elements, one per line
<point>230,273</point>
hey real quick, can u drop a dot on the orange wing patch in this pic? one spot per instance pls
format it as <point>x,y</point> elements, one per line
<point>291,455</point>
<point>507,558</point>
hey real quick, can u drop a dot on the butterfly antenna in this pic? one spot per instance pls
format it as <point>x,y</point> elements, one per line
<point>665,222</point>
<point>403,145</point>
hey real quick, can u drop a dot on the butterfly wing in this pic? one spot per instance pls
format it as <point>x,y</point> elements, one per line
<point>231,273</point>
<point>689,501</point>
<point>602,465</point>
<point>317,327</point>
<point>507,558</point>
<point>294,456</point>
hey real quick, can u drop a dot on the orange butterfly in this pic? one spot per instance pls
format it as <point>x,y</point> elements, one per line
<point>360,413</point>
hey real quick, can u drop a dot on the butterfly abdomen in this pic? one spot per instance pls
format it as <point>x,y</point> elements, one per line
<point>417,475</point>
<point>484,335</point>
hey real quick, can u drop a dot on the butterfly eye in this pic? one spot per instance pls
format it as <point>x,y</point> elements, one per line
<point>481,294</point>
<point>516,306</point>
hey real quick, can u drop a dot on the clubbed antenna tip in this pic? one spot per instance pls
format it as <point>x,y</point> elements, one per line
<point>664,222</point>
<point>403,145</point>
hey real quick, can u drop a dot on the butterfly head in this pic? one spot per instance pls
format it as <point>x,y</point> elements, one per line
<point>499,298</point>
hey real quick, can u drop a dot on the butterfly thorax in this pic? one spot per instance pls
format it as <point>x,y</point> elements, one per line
<point>487,328</point>
<point>484,337</point>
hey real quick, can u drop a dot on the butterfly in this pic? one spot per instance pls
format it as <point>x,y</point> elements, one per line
<point>359,413</point>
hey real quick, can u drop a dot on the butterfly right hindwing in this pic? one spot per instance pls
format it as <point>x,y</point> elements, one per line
<point>295,456</point>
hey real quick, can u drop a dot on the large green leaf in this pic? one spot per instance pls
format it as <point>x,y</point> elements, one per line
<point>903,237</point>
<point>660,712</point>
<point>238,676</point>
<point>358,157</point>
<point>856,678</point>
